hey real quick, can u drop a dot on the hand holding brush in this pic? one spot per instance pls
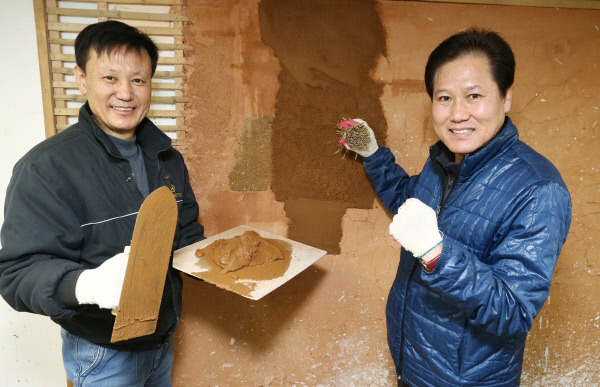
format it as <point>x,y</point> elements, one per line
<point>357,136</point>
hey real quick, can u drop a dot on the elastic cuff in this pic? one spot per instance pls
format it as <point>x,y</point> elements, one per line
<point>65,290</point>
<point>429,266</point>
<point>436,245</point>
<point>374,155</point>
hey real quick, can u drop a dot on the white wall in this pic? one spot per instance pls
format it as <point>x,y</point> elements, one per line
<point>30,347</point>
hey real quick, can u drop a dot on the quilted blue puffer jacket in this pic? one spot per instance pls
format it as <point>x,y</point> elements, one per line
<point>504,224</point>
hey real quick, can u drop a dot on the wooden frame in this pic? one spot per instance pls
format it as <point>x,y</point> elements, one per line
<point>57,89</point>
<point>44,61</point>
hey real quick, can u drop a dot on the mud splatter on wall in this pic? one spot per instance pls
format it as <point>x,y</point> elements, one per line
<point>261,72</point>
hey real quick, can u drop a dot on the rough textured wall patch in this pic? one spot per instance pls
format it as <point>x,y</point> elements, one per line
<point>252,170</point>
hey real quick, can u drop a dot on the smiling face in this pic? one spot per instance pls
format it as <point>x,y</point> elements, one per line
<point>467,108</point>
<point>118,89</point>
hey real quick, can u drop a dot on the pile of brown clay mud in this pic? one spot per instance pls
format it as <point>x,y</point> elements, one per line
<point>248,249</point>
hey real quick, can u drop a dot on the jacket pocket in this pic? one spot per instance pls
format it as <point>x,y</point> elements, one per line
<point>434,333</point>
<point>89,357</point>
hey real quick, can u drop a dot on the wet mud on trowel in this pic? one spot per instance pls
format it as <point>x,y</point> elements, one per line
<point>250,282</point>
<point>147,267</point>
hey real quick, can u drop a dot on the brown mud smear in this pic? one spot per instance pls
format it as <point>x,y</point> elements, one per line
<point>248,249</point>
<point>327,53</point>
<point>243,281</point>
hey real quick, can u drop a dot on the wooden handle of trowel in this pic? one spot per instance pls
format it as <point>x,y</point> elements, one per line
<point>147,266</point>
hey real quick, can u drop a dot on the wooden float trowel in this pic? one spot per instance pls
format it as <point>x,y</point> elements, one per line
<point>147,266</point>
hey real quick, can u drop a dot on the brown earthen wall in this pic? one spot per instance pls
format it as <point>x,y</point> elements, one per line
<point>269,81</point>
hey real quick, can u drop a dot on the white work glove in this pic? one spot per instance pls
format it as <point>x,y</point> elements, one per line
<point>415,227</point>
<point>370,148</point>
<point>102,285</point>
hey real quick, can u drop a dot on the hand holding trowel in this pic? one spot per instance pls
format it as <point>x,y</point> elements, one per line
<point>147,266</point>
<point>136,277</point>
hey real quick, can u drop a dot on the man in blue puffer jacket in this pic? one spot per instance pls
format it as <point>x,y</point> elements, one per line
<point>486,218</point>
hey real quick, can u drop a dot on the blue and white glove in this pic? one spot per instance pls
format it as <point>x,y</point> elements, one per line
<point>415,227</point>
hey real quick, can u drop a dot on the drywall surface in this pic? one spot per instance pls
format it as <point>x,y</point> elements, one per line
<point>270,79</point>
<point>30,345</point>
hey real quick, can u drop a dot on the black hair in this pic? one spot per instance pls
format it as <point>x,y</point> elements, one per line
<point>111,35</point>
<point>474,41</point>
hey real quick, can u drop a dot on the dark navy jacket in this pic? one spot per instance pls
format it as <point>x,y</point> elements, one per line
<point>70,205</point>
<point>504,225</point>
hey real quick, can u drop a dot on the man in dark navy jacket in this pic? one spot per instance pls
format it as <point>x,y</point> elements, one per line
<point>71,207</point>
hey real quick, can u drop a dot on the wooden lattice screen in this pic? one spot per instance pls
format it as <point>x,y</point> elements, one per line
<point>59,22</point>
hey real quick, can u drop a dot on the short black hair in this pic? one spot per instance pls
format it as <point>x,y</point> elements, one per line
<point>474,41</point>
<point>111,35</point>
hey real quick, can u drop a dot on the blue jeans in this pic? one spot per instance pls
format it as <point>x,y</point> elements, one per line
<point>88,364</point>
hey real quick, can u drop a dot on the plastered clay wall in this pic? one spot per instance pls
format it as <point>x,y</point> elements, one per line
<point>270,79</point>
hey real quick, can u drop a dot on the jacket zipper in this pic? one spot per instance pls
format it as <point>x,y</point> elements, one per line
<point>445,195</point>
<point>410,277</point>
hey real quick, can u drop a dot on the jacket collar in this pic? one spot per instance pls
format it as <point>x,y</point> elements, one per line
<point>151,139</point>
<point>471,163</point>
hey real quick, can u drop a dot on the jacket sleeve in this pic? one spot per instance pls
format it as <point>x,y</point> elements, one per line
<point>504,297</point>
<point>41,239</point>
<point>190,230</point>
<point>391,182</point>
